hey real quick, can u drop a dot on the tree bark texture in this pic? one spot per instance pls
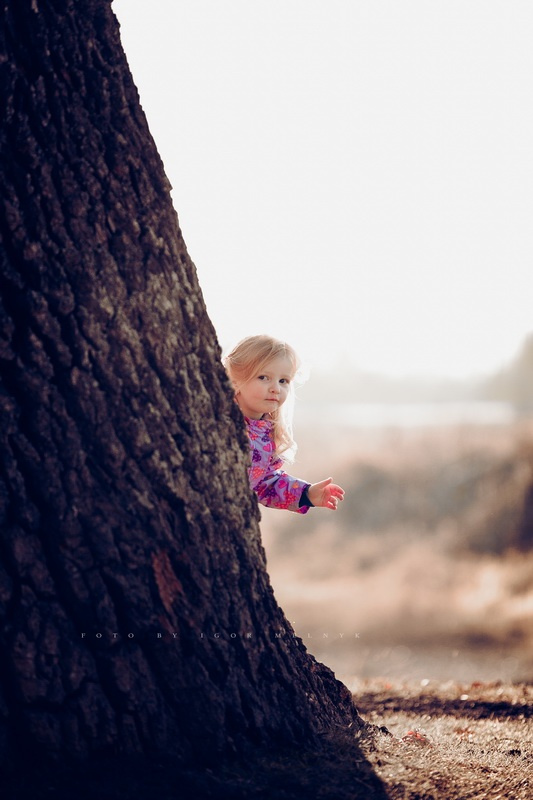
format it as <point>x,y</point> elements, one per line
<point>128,529</point>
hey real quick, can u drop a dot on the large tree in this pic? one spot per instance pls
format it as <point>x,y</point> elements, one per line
<point>136,613</point>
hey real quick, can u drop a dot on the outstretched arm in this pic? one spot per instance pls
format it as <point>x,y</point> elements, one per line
<point>325,494</point>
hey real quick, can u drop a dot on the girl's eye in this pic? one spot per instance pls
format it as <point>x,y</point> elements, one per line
<point>284,380</point>
<point>261,377</point>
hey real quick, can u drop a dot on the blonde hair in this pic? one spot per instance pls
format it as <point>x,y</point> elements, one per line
<point>247,360</point>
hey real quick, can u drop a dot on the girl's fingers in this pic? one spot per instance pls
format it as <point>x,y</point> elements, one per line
<point>327,493</point>
<point>336,494</point>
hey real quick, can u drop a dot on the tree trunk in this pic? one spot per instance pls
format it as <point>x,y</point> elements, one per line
<point>136,613</point>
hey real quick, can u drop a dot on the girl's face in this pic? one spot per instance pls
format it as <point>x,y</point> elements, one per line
<point>266,391</point>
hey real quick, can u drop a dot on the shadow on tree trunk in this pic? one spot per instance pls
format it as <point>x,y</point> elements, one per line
<point>334,770</point>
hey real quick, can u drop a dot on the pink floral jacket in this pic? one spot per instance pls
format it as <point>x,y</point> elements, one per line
<point>272,485</point>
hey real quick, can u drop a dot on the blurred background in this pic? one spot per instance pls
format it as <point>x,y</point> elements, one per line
<point>357,178</point>
<point>426,569</point>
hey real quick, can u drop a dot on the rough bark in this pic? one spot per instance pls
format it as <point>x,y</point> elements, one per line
<point>127,526</point>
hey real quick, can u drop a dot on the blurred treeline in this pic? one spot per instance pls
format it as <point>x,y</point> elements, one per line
<point>512,384</point>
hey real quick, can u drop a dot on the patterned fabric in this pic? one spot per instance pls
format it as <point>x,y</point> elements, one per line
<point>272,485</point>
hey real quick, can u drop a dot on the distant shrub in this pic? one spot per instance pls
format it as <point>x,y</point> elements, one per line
<point>480,494</point>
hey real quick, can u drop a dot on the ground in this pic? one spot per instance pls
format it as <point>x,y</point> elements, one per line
<point>467,742</point>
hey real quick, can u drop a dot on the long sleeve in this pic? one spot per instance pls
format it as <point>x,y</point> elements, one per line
<point>274,487</point>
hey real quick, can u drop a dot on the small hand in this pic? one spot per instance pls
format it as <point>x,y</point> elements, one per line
<point>325,494</point>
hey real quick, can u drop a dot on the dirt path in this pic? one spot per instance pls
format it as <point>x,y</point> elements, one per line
<point>471,702</point>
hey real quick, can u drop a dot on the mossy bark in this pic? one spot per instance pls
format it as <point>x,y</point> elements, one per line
<point>129,536</point>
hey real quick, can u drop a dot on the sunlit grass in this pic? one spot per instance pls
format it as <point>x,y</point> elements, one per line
<point>458,756</point>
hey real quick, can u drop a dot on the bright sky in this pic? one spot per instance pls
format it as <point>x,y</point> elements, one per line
<point>354,176</point>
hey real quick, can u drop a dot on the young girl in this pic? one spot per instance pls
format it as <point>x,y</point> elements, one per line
<point>262,370</point>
